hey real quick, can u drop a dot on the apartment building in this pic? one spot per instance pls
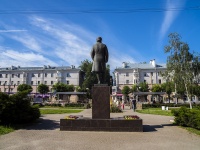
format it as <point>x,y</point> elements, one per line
<point>12,77</point>
<point>134,73</point>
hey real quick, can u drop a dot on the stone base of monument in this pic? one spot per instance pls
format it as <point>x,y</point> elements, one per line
<point>101,120</point>
<point>113,124</point>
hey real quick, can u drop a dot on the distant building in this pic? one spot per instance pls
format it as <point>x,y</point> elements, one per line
<point>134,73</point>
<point>12,77</point>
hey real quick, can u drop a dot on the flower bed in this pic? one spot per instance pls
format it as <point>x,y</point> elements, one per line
<point>131,117</point>
<point>72,117</point>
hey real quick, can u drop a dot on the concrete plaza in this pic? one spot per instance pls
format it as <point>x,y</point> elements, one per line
<point>159,134</point>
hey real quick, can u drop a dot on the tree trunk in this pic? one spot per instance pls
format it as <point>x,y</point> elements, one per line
<point>188,96</point>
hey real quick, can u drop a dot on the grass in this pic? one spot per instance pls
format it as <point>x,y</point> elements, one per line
<point>58,111</point>
<point>57,107</point>
<point>192,130</point>
<point>5,129</point>
<point>155,111</point>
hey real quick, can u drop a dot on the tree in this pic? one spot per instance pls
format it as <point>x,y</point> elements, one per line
<point>182,65</point>
<point>43,88</point>
<point>134,88</point>
<point>24,87</point>
<point>168,87</point>
<point>156,88</point>
<point>143,87</point>
<point>89,77</point>
<point>61,87</point>
<point>126,90</point>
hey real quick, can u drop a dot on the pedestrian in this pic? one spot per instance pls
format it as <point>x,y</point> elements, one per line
<point>134,104</point>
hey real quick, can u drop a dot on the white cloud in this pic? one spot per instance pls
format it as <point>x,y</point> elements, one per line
<point>5,31</point>
<point>169,16</point>
<point>23,59</point>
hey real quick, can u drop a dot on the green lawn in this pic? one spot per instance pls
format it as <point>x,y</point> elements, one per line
<point>5,130</point>
<point>58,111</point>
<point>192,130</point>
<point>156,111</point>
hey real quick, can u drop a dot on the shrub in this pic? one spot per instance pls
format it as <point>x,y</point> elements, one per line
<point>187,117</point>
<point>74,105</point>
<point>17,110</point>
<point>115,109</point>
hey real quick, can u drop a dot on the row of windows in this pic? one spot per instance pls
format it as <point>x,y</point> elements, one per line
<point>32,82</point>
<point>145,74</point>
<point>136,81</point>
<point>33,75</point>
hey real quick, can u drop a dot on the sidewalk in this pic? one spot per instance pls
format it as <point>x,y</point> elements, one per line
<point>159,134</point>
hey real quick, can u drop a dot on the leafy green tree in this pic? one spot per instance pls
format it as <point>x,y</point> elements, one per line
<point>168,87</point>
<point>43,88</point>
<point>24,87</point>
<point>143,87</point>
<point>60,87</point>
<point>181,64</point>
<point>134,88</point>
<point>156,88</point>
<point>89,77</point>
<point>126,90</point>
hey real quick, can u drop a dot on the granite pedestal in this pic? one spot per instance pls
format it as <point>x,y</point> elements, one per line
<point>101,120</point>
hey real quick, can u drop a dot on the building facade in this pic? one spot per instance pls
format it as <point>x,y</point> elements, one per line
<point>135,73</point>
<point>12,77</point>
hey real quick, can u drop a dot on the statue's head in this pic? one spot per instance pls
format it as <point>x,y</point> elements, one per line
<point>99,39</point>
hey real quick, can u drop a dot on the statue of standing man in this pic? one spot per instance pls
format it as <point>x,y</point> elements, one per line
<point>99,54</point>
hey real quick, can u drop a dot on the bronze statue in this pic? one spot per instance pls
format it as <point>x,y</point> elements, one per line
<point>99,54</point>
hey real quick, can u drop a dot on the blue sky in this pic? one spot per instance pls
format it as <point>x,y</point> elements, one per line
<point>62,32</point>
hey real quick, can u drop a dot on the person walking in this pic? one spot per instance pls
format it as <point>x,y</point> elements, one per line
<point>134,104</point>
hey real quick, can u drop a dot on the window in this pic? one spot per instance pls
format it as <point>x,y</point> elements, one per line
<point>13,75</point>
<point>38,82</point>
<point>127,74</point>
<point>33,75</point>
<point>18,82</point>
<point>145,74</point>
<point>151,73</point>
<point>51,82</point>
<point>51,74</point>
<point>0,82</point>
<point>6,76</point>
<point>68,75</point>
<point>144,81</point>
<point>45,82</point>
<point>45,74</point>
<point>38,74</point>
<point>67,81</point>
<point>5,83</point>
<point>135,81</point>
<point>127,81</point>
<point>11,82</point>
<point>159,81</point>
<point>18,75</point>
<point>0,75</point>
<point>31,82</point>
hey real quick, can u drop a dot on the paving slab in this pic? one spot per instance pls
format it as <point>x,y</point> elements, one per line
<point>159,134</point>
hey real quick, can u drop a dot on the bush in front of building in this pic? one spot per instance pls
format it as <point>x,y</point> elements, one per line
<point>187,117</point>
<point>17,109</point>
<point>115,109</point>
<point>74,105</point>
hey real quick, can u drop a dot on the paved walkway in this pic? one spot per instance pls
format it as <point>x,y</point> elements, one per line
<point>159,134</point>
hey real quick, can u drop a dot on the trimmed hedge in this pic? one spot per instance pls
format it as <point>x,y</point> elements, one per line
<point>158,105</point>
<point>187,117</point>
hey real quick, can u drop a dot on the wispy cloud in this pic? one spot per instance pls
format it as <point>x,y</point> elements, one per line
<point>169,16</point>
<point>5,31</point>
<point>23,59</point>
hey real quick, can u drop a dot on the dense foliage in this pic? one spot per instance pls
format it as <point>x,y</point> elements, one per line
<point>115,109</point>
<point>187,117</point>
<point>61,87</point>
<point>24,87</point>
<point>17,109</point>
<point>43,88</point>
<point>183,67</point>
